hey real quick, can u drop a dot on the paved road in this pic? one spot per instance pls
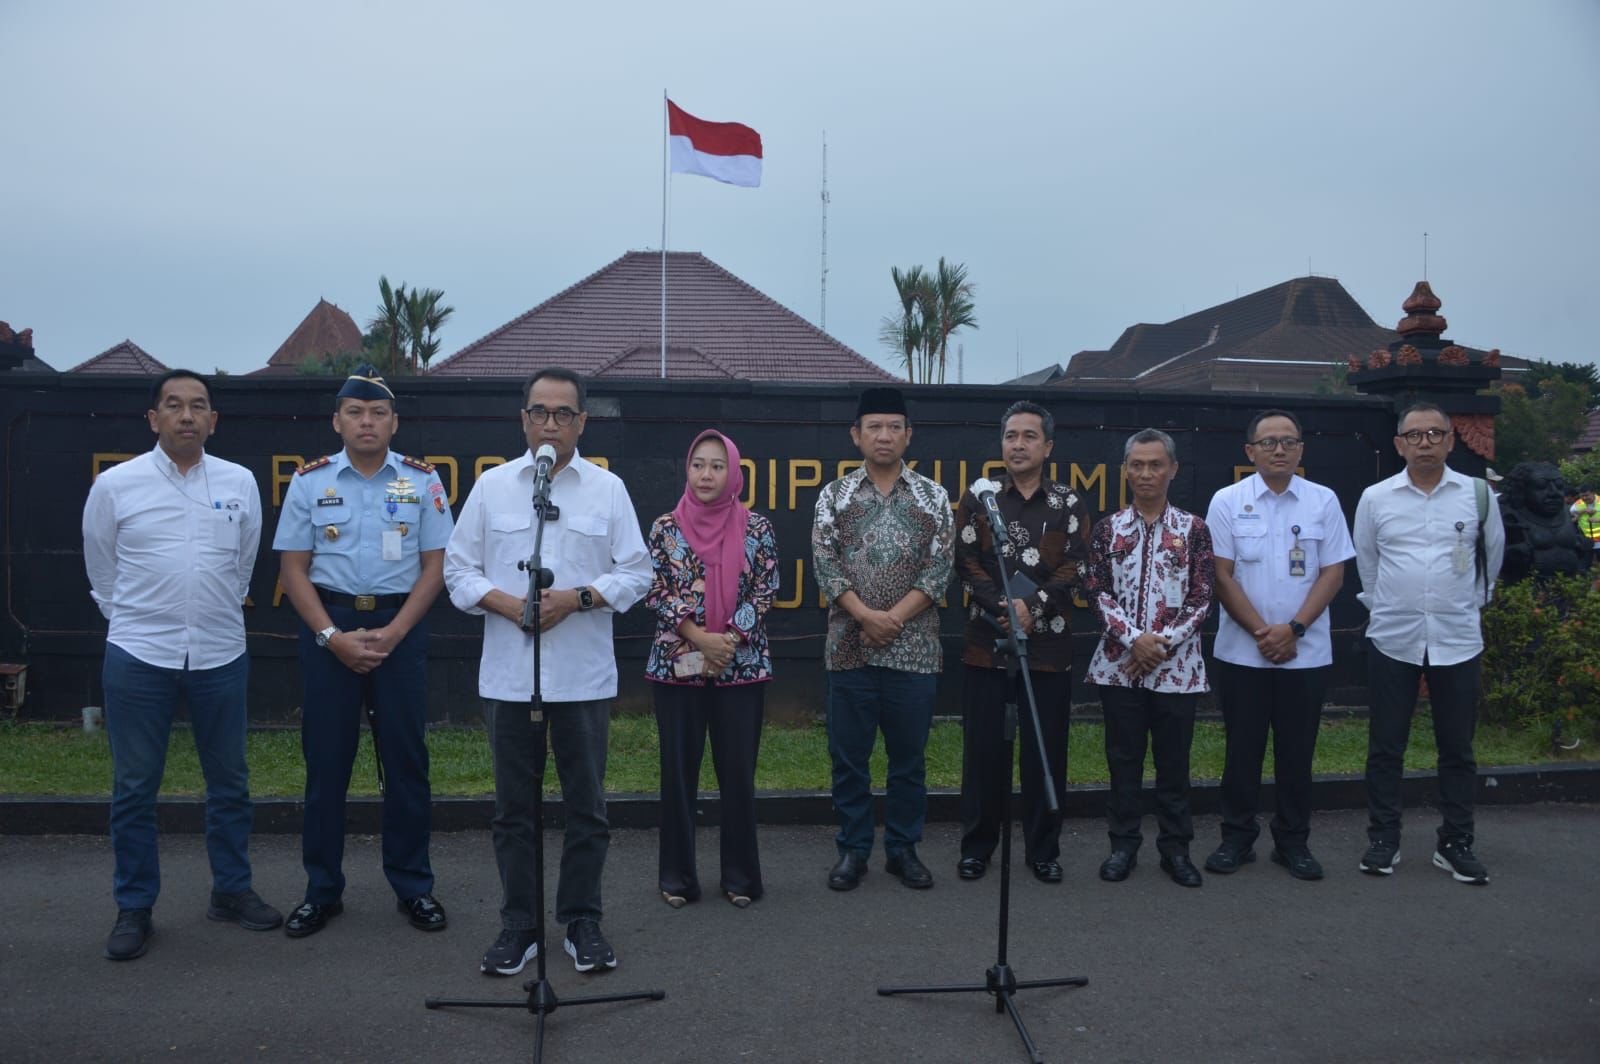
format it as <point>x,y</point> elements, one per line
<point>1415,967</point>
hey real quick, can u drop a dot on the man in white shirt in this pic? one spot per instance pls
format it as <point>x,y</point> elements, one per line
<point>1429,543</point>
<point>593,545</point>
<point>1280,544</point>
<point>169,540</point>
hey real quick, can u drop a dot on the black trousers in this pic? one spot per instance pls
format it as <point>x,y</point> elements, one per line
<point>732,713</point>
<point>1453,693</point>
<point>1135,715</point>
<point>1289,701</point>
<point>986,771</point>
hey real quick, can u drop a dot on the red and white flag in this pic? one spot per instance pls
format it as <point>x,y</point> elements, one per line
<point>723,151</point>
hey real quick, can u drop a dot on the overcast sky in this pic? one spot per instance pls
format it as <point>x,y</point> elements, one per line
<point>194,176</point>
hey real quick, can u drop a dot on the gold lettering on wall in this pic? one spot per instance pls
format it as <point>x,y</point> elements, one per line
<point>102,460</point>
<point>749,469</point>
<point>444,461</point>
<point>277,592</point>
<point>847,465</point>
<point>1087,482</point>
<point>281,477</point>
<point>486,461</point>
<point>772,484</point>
<point>799,588</point>
<point>813,467</point>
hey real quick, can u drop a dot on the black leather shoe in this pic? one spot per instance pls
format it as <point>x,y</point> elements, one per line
<point>1226,860</point>
<point>1115,868</point>
<point>130,936</point>
<point>1047,871</point>
<point>310,918</point>
<point>971,867</point>
<point>1299,862</point>
<point>424,913</point>
<point>846,875</point>
<point>1181,869</point>
<point>912,872</point>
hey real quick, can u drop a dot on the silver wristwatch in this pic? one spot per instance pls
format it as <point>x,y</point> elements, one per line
<point>327,634</point>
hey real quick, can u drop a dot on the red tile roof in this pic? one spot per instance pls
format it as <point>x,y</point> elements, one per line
<point>609,325</point>
<point>327,330</point>
<point>126,358</point>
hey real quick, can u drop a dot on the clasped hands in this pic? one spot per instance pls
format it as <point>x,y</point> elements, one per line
<point>1276,642</point>
<point>1147,654</point>
<point>364,649</point>
<point>717,648</point>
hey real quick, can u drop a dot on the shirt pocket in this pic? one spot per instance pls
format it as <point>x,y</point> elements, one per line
<point>1250,542</point>
<point>406,515</point>
<point>585,547</point>
<point>333,529</point>
<point>1311,542</point>
<point>508,542</point>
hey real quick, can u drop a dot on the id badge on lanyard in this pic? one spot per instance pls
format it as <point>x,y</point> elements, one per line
<point>1297,554</point>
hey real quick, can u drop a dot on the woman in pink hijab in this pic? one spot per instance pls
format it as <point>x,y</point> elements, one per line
<point>716,572</point>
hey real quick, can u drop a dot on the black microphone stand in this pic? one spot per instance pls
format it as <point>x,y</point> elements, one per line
<point>1000,980</point>
<point>541,999</point>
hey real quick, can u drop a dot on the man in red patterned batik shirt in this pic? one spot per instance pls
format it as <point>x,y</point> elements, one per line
<point>1150,579</point>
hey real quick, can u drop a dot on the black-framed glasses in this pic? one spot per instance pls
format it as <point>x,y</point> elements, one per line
<point>539,415</point>
<point>1416,436</point>
<point>1272,443</point>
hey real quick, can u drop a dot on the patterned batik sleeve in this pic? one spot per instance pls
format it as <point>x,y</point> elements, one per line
<point>1073,571</point>
<point>1103,587</point>
<point>761,553</point>
<point>672,575</point>
<point>934,578</point>
<point>975,579</point>
<point>1201,581</point>
<point>825,553</point>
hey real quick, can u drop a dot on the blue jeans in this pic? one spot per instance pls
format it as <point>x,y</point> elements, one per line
<point>576,732</point>
<point>140,702</point>
<point>860,703</point>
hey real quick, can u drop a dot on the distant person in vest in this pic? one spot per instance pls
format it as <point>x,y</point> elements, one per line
<point>1150,579</point>
<point>1280,544</point>
<point>361,540</point>
<point>593,545</point>
<point>1429,542</point>
<point>881,541</point>
<point>169,539</point>
<point>716,572</point>
<point>1586,511</point>
<point>1046,556</point>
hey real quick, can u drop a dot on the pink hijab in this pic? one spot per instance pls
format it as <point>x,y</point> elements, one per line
<point>716,531</point>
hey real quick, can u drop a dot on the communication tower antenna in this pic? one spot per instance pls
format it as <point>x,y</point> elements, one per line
<point>824,230</point>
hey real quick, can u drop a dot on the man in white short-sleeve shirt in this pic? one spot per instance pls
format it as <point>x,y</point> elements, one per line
<point>1280,544</point>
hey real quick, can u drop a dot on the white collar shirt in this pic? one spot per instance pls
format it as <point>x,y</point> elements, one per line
<point>1416,551</point>
<point>169,556</point>
<point>595,542</point>
<point>1256,528</point>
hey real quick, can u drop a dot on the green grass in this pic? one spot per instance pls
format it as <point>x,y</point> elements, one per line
<point>40,759</point>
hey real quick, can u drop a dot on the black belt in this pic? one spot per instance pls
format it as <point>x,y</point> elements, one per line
<point>361,603</point>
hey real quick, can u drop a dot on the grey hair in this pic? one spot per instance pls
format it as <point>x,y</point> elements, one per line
<point>1150,436</point>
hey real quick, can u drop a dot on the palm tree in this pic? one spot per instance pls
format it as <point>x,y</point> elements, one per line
<point>424,317</point>
<point>391,319</point>
<point>905,333</point>
<point>955,307</point>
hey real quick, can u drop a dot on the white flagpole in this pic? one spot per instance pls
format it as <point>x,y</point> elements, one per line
<point>664,138</point>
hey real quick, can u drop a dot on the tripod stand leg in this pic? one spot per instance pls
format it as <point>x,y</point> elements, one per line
<point>1010,1006</point>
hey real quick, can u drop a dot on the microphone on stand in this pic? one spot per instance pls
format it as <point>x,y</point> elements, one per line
<point>983,489</point>
<point>543,461</point>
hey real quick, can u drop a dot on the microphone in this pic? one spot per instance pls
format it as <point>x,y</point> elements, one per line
<point>983,489</point>
<point>543,461</point>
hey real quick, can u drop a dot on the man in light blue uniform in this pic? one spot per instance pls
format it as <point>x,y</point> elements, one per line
<point>362,538</point>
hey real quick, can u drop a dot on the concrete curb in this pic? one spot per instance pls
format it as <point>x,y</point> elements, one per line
<point>1507,785</point>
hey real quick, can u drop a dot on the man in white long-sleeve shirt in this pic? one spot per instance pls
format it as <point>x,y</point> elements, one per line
<point>169,539</point>
<point>593,545</point>
<point>1428,546</point>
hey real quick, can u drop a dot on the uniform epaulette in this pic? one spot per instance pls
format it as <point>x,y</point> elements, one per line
<point>318,464</point>
<point>416,463</point>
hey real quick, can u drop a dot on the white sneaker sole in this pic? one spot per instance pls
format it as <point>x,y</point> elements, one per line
<point>529,954</point>
<point>1441,863</point>
<point>1373,870</point>
<point>572,951</point>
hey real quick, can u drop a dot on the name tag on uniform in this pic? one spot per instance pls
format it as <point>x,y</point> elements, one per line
<point>1460,556</point>
<point>391,545</point>
<point>331,500</point>
<point>1297,562</point>
<point>1174,593</point>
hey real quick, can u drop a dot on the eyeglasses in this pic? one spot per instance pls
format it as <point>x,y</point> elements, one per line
<point>1416,436</point>
<point>539,415</point>
<point>1272,443</point>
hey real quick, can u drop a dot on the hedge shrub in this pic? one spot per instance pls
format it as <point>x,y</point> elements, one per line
<point>1541,662</point>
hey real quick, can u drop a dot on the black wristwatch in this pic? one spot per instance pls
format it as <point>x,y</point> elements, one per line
<point>1298,629</point>
<point>586,598</point>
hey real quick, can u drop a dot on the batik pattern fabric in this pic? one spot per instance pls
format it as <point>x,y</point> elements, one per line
<point>1157,577</point>
<point>882,547</point>
<point>677,594</point>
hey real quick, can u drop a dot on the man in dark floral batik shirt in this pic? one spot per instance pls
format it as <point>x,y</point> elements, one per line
<point>882,547</point>
<point>1047,525</point>
<point>1150,578</point>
